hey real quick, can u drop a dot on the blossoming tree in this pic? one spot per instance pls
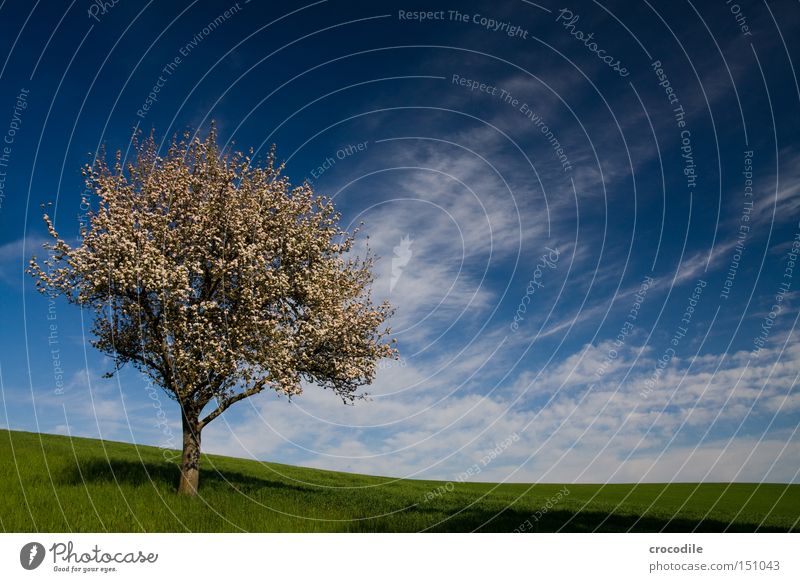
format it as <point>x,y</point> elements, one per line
<point>217,279</point>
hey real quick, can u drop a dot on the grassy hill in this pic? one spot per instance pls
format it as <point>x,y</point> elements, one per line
<point>57,484</point>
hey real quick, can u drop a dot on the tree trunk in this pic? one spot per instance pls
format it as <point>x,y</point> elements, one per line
<point>190,461</point>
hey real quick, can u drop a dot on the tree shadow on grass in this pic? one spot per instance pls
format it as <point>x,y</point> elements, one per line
<point>163,474</point>
<point>511,520</point>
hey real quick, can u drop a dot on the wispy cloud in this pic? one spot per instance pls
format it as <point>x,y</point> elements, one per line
<point>14,257</point>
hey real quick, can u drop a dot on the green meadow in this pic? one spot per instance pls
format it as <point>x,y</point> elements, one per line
<point>59,484</point>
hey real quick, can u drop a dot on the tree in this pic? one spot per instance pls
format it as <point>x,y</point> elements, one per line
<point>218,280</point>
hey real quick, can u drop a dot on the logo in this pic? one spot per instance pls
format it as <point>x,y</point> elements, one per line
<point>31,555</point>
<point>402,255</point>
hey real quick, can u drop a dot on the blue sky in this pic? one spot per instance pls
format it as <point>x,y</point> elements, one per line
<point>584,214</point>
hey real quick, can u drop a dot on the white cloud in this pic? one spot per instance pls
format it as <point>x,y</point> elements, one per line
<point>14,257</point>
<point>566,432</point>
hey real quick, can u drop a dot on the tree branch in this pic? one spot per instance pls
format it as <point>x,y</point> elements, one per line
<point>227,402</point>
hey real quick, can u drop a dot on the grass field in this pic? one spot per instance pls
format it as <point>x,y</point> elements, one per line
<point>57,484</point>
